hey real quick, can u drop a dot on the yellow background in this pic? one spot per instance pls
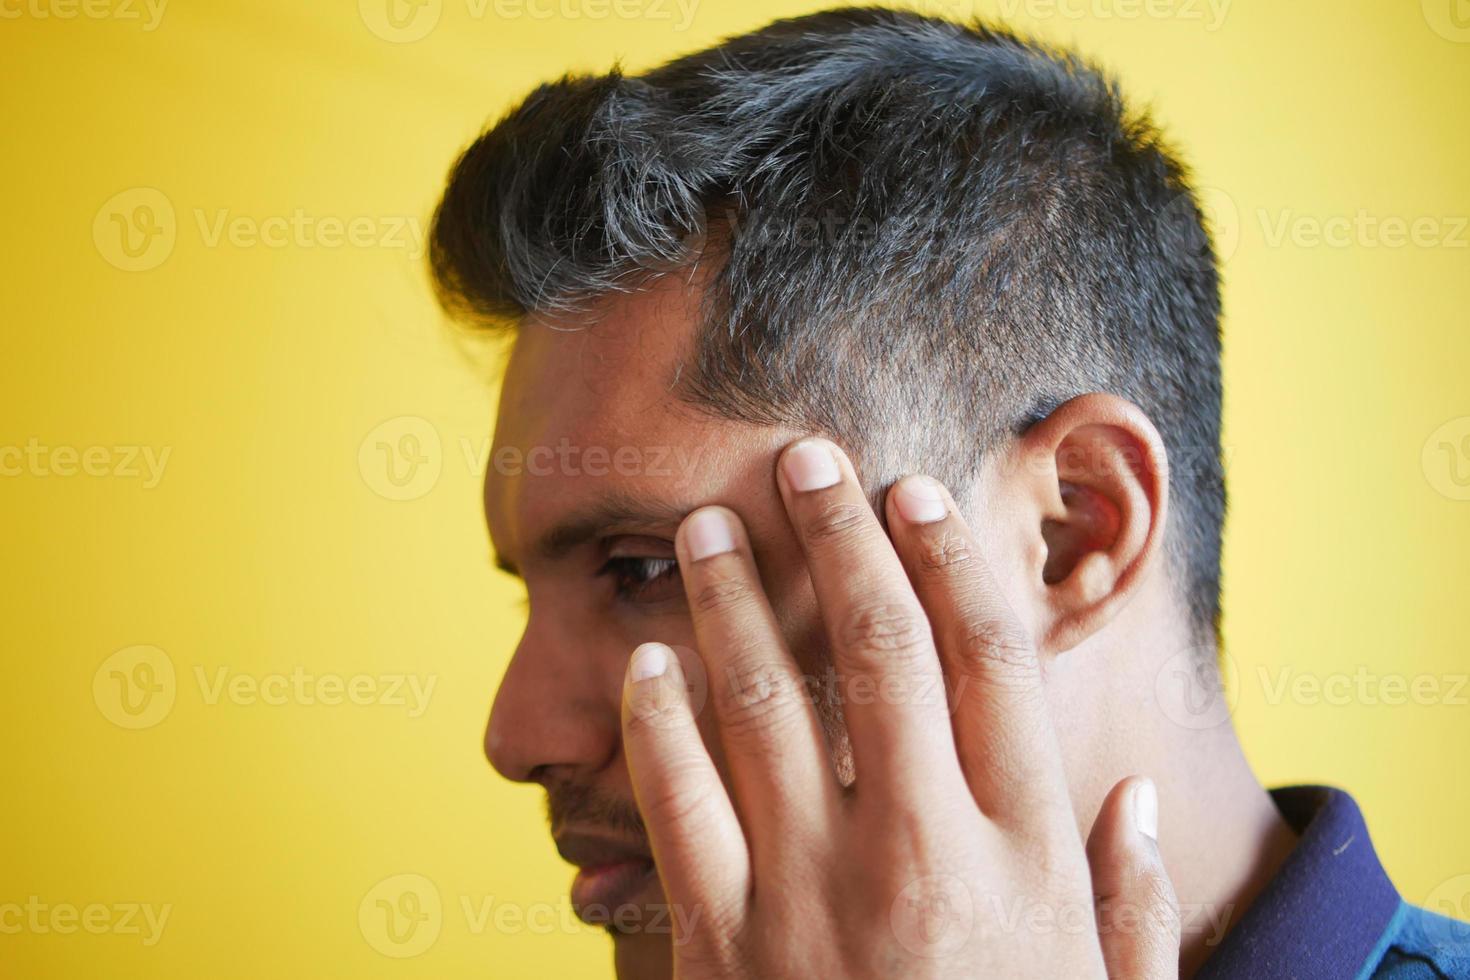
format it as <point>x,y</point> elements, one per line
<point>270,542</point>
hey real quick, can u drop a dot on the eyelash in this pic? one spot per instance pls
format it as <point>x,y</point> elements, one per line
<point>632,576</point>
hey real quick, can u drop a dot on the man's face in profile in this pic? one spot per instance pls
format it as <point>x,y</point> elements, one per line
<point>595,462</point>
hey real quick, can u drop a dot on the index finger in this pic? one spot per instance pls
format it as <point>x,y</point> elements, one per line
<point>891,684</point>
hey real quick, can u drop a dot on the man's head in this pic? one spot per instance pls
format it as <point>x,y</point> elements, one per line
<point>922,240</point>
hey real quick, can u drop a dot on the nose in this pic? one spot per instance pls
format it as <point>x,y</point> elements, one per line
<point>558,707</point>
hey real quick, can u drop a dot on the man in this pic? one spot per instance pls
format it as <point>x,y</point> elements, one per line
<point>756,293</point>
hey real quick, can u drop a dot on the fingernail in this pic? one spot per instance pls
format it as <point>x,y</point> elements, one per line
<point>1146,809</point>
<point>810,465</point>
<point>708,533</point>
<point>919,500</point>
<point>650,660</point>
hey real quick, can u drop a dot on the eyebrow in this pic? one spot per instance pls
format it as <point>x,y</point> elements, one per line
<point>618,512</point>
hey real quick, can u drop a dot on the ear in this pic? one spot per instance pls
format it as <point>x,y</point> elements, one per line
<point>1094,488</point>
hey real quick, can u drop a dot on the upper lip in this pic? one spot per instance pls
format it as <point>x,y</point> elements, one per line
<point>590,850</point>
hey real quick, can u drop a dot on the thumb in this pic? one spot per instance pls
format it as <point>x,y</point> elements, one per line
<point>1137,913</point>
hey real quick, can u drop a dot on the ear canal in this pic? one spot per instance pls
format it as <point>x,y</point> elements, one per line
<point>1089,526</point>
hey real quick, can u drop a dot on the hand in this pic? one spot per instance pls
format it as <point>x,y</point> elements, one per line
<point>956,851</point>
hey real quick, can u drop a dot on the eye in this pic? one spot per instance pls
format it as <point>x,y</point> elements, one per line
<point>642,577</point>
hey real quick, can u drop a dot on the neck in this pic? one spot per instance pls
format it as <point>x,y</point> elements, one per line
<point>1225,839</point>
<point>1220,834</point>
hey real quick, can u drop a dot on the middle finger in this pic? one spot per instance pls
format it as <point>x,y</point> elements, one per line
<point>889,676</point>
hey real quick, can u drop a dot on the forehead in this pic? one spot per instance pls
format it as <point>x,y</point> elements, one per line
<point>609,373</point>
<point>590,411</point>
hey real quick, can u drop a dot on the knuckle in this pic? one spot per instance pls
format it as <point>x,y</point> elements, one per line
<point>704,944</point>
<point>944,552</point>
<point>885,631</point>
<point>835,520</point>
<point>679,796</point>
<point>649,718</point>
<point>719,937</point>
<point>1145,910</point>
<point>719,594</point>
<point>1135,900</point>
<point>1160,900</point>
<point>992,646</point>
<point>757,696</point>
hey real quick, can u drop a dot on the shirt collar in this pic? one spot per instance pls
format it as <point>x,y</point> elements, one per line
<point>1322,915</point>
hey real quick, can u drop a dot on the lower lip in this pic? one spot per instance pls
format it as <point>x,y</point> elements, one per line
<point>599,891</point>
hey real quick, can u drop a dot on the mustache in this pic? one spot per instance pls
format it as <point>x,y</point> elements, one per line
<point>577,803</point>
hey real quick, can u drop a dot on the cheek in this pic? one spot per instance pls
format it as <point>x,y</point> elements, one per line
<point>574,650</point>
<point>607,630</point>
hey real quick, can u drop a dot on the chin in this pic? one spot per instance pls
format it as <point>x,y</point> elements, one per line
<point>641,924</point>
<point>642,955</point>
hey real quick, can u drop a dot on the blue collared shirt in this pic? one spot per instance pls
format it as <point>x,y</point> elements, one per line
<point>1332,914</point>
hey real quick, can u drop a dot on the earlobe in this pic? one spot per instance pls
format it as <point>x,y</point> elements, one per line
<point>1097,476</point>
